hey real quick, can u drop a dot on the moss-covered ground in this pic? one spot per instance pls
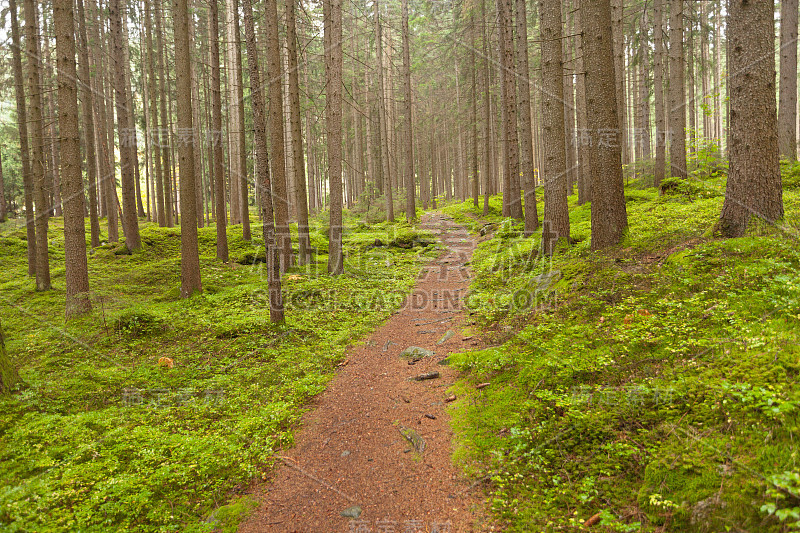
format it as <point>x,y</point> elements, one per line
<point>649,387</point>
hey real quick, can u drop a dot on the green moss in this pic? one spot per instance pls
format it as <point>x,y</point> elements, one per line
<point>104,438</point>
<point>653,382</point>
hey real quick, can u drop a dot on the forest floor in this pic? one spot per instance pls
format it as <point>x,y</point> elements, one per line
<point>375,450</point>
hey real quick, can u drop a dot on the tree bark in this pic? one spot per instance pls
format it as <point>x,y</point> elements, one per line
<point>618,36</point>
<point>787,110</point>
<point>155,139</point>
<point>677,93</point>
<point>127,138</point>
<point>3,205</point>
<point>644,89</point>
<point>164,133</point>
<point>75,262</point>
<point>37,137</point>
<point>244,206</point>
<point>658,94</point>
<point>301,196</point>
<point>556,211</point>
<point>262,168</point>
<point>584,170</point>
<point>277,142</point>
<point>88,127</point>
<point>487,116</point>
<point>569,102</point>
<point>508,86</point>
<point>476,186</point>
<point>754,179</point>
<point>525,128</point>
<point>411,209</point>
<point>382,119</point>
<point>333,117</point>
<point>609,217</point>
<point>218,177</point>
<point>22,119</point>
<point>190,260</point>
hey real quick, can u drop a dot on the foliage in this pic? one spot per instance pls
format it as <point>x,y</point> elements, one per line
<point>652,384</point>
<point>107,437</point>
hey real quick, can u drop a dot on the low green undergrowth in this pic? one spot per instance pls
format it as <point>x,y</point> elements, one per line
<point>154,411</point>
<point>652,385</point>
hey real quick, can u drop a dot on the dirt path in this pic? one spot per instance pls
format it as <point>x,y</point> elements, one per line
<point>351,454</point>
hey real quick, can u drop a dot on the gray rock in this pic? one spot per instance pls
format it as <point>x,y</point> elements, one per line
<point>345,453</point>
<point>415,352</point>
<point>446,337</point>
<point>352,512</point>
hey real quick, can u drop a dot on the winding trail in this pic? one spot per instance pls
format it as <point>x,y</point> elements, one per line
<point>350,454</point>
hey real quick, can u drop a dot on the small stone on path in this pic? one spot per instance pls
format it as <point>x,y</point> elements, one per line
<point>447,336</point>
<point>425,376</point>
<point>415,352</point>
<point>352,512</point>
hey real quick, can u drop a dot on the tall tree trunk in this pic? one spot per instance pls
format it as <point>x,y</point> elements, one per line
<point>127,138</point>
<point>52,162</point>
<point>153,103</point>
<point>677,93</point>
<point>787,110</point>
<point>164,133</point>
<point>77,270</point>
<point>691,85</point>
<point>333,117</point>
<point>234,142</point>
<point>88,127</point>
<point>658,94</point>
<point>644,88</point>
<point>24,150</point>
<point>112,201</point>
<point>511,191</point>
<point>197,147</point>
<point>618,36</point>
<point>382,120</point>
<point>263,184</point>
<point>704,59</point>
<point>190,260</point>
<point>556,211</point>
<point>275,116</point>
<point>218,177</point>
<point>487,116</point>
<point>476,186</point>
<point>301,196</point>
<point>131,104</point>
<point>609,217</point>
<point>525,129</point>
<point>718,77</point>
<point>584,170</point>
<point>754,179</point>
<point>411,209</point>
<point>244,206</point>
<point>569,102</point>
<point>37,137</point>
<point>3,204</point>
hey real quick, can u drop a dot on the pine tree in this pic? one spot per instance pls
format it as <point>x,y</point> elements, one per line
<point>77,270</point>
<point>190,258</point>
<point>754,179</point>
<point>609,217</point>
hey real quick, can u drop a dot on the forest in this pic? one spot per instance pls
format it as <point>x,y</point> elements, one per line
<point>399,266</point>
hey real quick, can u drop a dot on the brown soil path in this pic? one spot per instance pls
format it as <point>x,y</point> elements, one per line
<point>350,451</point>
